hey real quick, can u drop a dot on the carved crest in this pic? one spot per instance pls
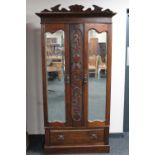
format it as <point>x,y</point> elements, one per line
<point>77,9</point>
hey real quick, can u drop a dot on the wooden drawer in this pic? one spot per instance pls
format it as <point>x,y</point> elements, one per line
<point>73,137</point>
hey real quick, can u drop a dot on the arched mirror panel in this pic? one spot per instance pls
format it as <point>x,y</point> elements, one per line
<point>55,67</point>
<point>97,75</point>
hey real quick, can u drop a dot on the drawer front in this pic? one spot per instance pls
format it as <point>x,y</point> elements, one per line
<point>73,137</point>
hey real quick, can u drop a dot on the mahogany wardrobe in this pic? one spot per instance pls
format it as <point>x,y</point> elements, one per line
<point>76,70</point>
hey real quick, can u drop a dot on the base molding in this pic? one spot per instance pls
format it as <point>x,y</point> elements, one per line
<point>77,149</point>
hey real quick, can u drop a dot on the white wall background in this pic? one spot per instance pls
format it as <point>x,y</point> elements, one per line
<point>34,78</point>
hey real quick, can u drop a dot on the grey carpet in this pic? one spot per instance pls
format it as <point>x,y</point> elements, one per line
<point>119,146</point>
<point>56,98</point>
<point>96,99</point>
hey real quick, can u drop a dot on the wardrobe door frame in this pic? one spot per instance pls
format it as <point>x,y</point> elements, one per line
<point>99,27</point>
<point>53,28</point>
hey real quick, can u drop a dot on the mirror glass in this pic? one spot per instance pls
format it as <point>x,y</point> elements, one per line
<point>97,66</point>
<point>55,67</point>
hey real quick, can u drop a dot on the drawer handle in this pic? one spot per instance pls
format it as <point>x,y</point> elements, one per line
<point>93,136</point>
<point>60,137</point>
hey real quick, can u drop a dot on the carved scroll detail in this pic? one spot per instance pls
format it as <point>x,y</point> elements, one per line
<point>80,9</point>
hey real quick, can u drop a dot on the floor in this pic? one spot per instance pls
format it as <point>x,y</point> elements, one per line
<point>119,146</point>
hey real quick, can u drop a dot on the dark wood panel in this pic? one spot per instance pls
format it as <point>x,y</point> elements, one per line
<point>98,27</point>
<point>77,149</point>
<point>67,83</point>
<point>106,135</point>
<point>47,137</point>
<point>75,20</point>
<point>96,124</point>
<point>85,75</point>
<point>54,27</point>
<point>44,78</point>
<point>70,137</point>
<point>108,85</point>
<point>90,126</point>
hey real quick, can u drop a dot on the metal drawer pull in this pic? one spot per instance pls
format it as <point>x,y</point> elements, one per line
<point>60,137</point>
<point>93,136</point>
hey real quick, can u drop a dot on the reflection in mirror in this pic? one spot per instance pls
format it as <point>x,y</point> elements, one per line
<point>55,64</point>
<point>97,66</point>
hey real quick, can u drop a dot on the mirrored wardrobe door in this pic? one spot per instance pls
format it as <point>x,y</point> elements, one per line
<point>97,75</point>
<point>55,73</point>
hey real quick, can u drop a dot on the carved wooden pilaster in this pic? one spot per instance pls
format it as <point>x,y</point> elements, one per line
<point>76,49</point>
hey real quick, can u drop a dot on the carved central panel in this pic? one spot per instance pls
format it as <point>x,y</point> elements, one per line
<point>76,48</point>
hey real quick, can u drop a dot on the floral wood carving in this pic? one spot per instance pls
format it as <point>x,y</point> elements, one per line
<point>76,46</point>
<point>78,9</point>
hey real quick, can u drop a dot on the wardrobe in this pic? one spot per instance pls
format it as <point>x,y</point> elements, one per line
<point>76,51</point>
